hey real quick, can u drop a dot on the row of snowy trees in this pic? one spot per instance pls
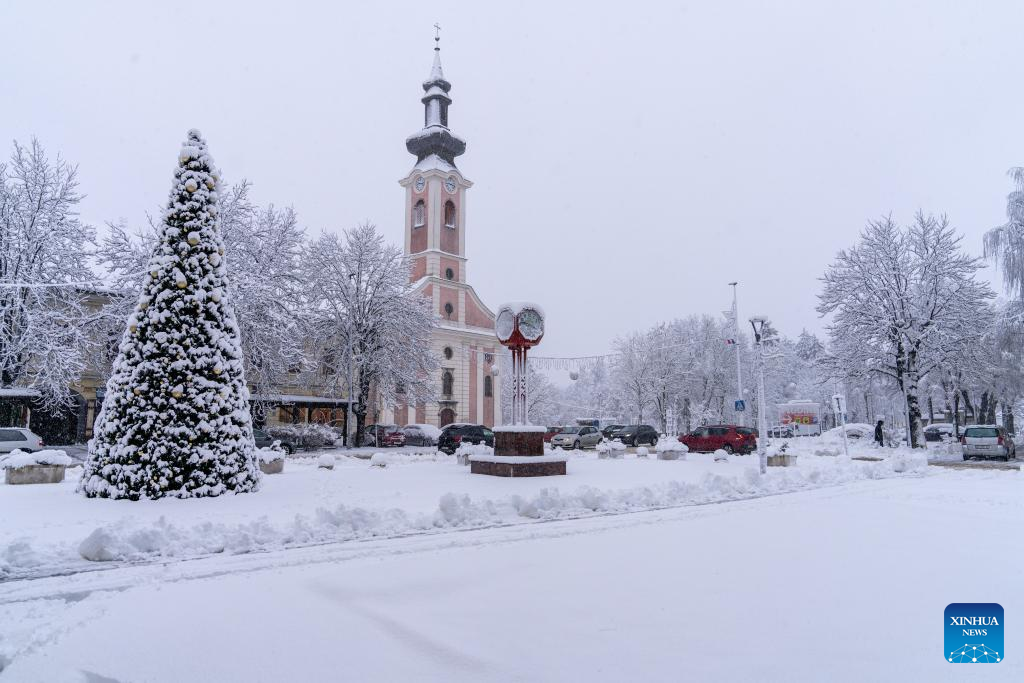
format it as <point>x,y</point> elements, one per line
<point>308,310</point>
<point>682,374</point>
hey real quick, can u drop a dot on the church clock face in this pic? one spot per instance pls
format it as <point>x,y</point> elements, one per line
<point>420,183</point>
<point>504,325</point>
<point>449,185</point>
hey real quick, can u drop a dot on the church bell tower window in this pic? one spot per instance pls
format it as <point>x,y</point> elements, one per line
<point>449,214</point>
<point>419,214</point>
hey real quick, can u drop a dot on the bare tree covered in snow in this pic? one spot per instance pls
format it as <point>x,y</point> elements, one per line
<point>904,301</point>
<point>42,243</point>
<point>361,300</point>
<point>263,247</point>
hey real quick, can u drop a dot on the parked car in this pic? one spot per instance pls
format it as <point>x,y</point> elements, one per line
<point>264,440</point>
<point>421,435</point>
<point>729,438</point>
<point>577,437</point>
<point>987,441</point>
<point>780,432</point>
<point>938,431</point>
<point>455,435</point>
<point>636,435</point>
<point>550,432</point>
<point>16,438</point>
<point>383,435</point>
<point>610,431</point>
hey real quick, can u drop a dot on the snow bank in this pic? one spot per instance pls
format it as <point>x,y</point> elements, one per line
<point>130,540</point>
<point>20,458</point>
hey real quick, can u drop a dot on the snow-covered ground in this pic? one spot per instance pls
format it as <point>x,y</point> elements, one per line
<point>622,570</point>
<point>50,529</point>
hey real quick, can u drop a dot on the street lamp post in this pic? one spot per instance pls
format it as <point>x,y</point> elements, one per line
<point>349,415</point>
<point>739,372</point>
<point>758,324</point>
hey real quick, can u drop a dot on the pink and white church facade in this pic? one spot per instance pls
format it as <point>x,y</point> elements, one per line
<point>435,242</point>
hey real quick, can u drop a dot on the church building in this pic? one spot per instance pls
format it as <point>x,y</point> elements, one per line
<point>435,242</point>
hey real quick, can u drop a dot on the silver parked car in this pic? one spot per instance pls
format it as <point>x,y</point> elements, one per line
<point>16,438</point>
<point>577,437</point>
<point>987,441</point>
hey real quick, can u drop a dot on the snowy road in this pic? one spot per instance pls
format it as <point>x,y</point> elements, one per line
<point>844,583</point>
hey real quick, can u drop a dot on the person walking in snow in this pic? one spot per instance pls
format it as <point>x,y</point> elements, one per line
<point>879,437</point>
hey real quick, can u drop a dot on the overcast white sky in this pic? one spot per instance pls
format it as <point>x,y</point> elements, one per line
<point>630,159</point>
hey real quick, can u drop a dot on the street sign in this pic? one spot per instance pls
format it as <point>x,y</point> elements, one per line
<point>839,404</point>
<point>741,406</point>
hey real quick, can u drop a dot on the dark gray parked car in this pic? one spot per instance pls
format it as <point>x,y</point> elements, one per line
<point>263,440</point>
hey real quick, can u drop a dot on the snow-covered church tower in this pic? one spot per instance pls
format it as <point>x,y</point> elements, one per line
<point>435,241</point>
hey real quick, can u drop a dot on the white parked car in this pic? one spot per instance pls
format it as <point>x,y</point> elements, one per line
<point>16,438</point>
<point>421,434</point>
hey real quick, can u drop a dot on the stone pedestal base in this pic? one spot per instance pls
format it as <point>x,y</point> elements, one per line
<point>509,443</point>
<point>35,474</point>
<point>783,460</point>
<point>543,468</point>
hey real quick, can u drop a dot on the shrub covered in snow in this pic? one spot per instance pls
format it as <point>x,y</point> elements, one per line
<point>305,435</point>
<point>721,456</point>
<point>19,458</point>
<point>175,421</point>
<point>642,452</point>
<point>380,459</point>
<point>326,461</point>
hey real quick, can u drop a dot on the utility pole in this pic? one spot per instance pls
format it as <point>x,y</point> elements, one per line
<point>741,417</point>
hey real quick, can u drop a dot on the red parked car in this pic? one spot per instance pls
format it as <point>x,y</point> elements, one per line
<point>729,438</point>
<point>390,435</point>
<point>551,431</point>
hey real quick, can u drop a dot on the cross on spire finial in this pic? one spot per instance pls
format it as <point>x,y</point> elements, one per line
<point>437,36</point>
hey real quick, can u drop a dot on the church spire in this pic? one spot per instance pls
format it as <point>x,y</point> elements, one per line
<point>435,138</point>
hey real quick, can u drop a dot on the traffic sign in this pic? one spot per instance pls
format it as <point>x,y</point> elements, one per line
<point>741,405</point>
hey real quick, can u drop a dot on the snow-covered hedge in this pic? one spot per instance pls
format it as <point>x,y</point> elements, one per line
<point>305,435</point>
<point>19,458</point>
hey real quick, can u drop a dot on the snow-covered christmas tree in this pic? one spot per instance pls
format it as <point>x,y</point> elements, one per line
<point>175,419</point>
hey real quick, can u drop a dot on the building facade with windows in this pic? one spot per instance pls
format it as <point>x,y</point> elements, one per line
<point>435,242</point>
